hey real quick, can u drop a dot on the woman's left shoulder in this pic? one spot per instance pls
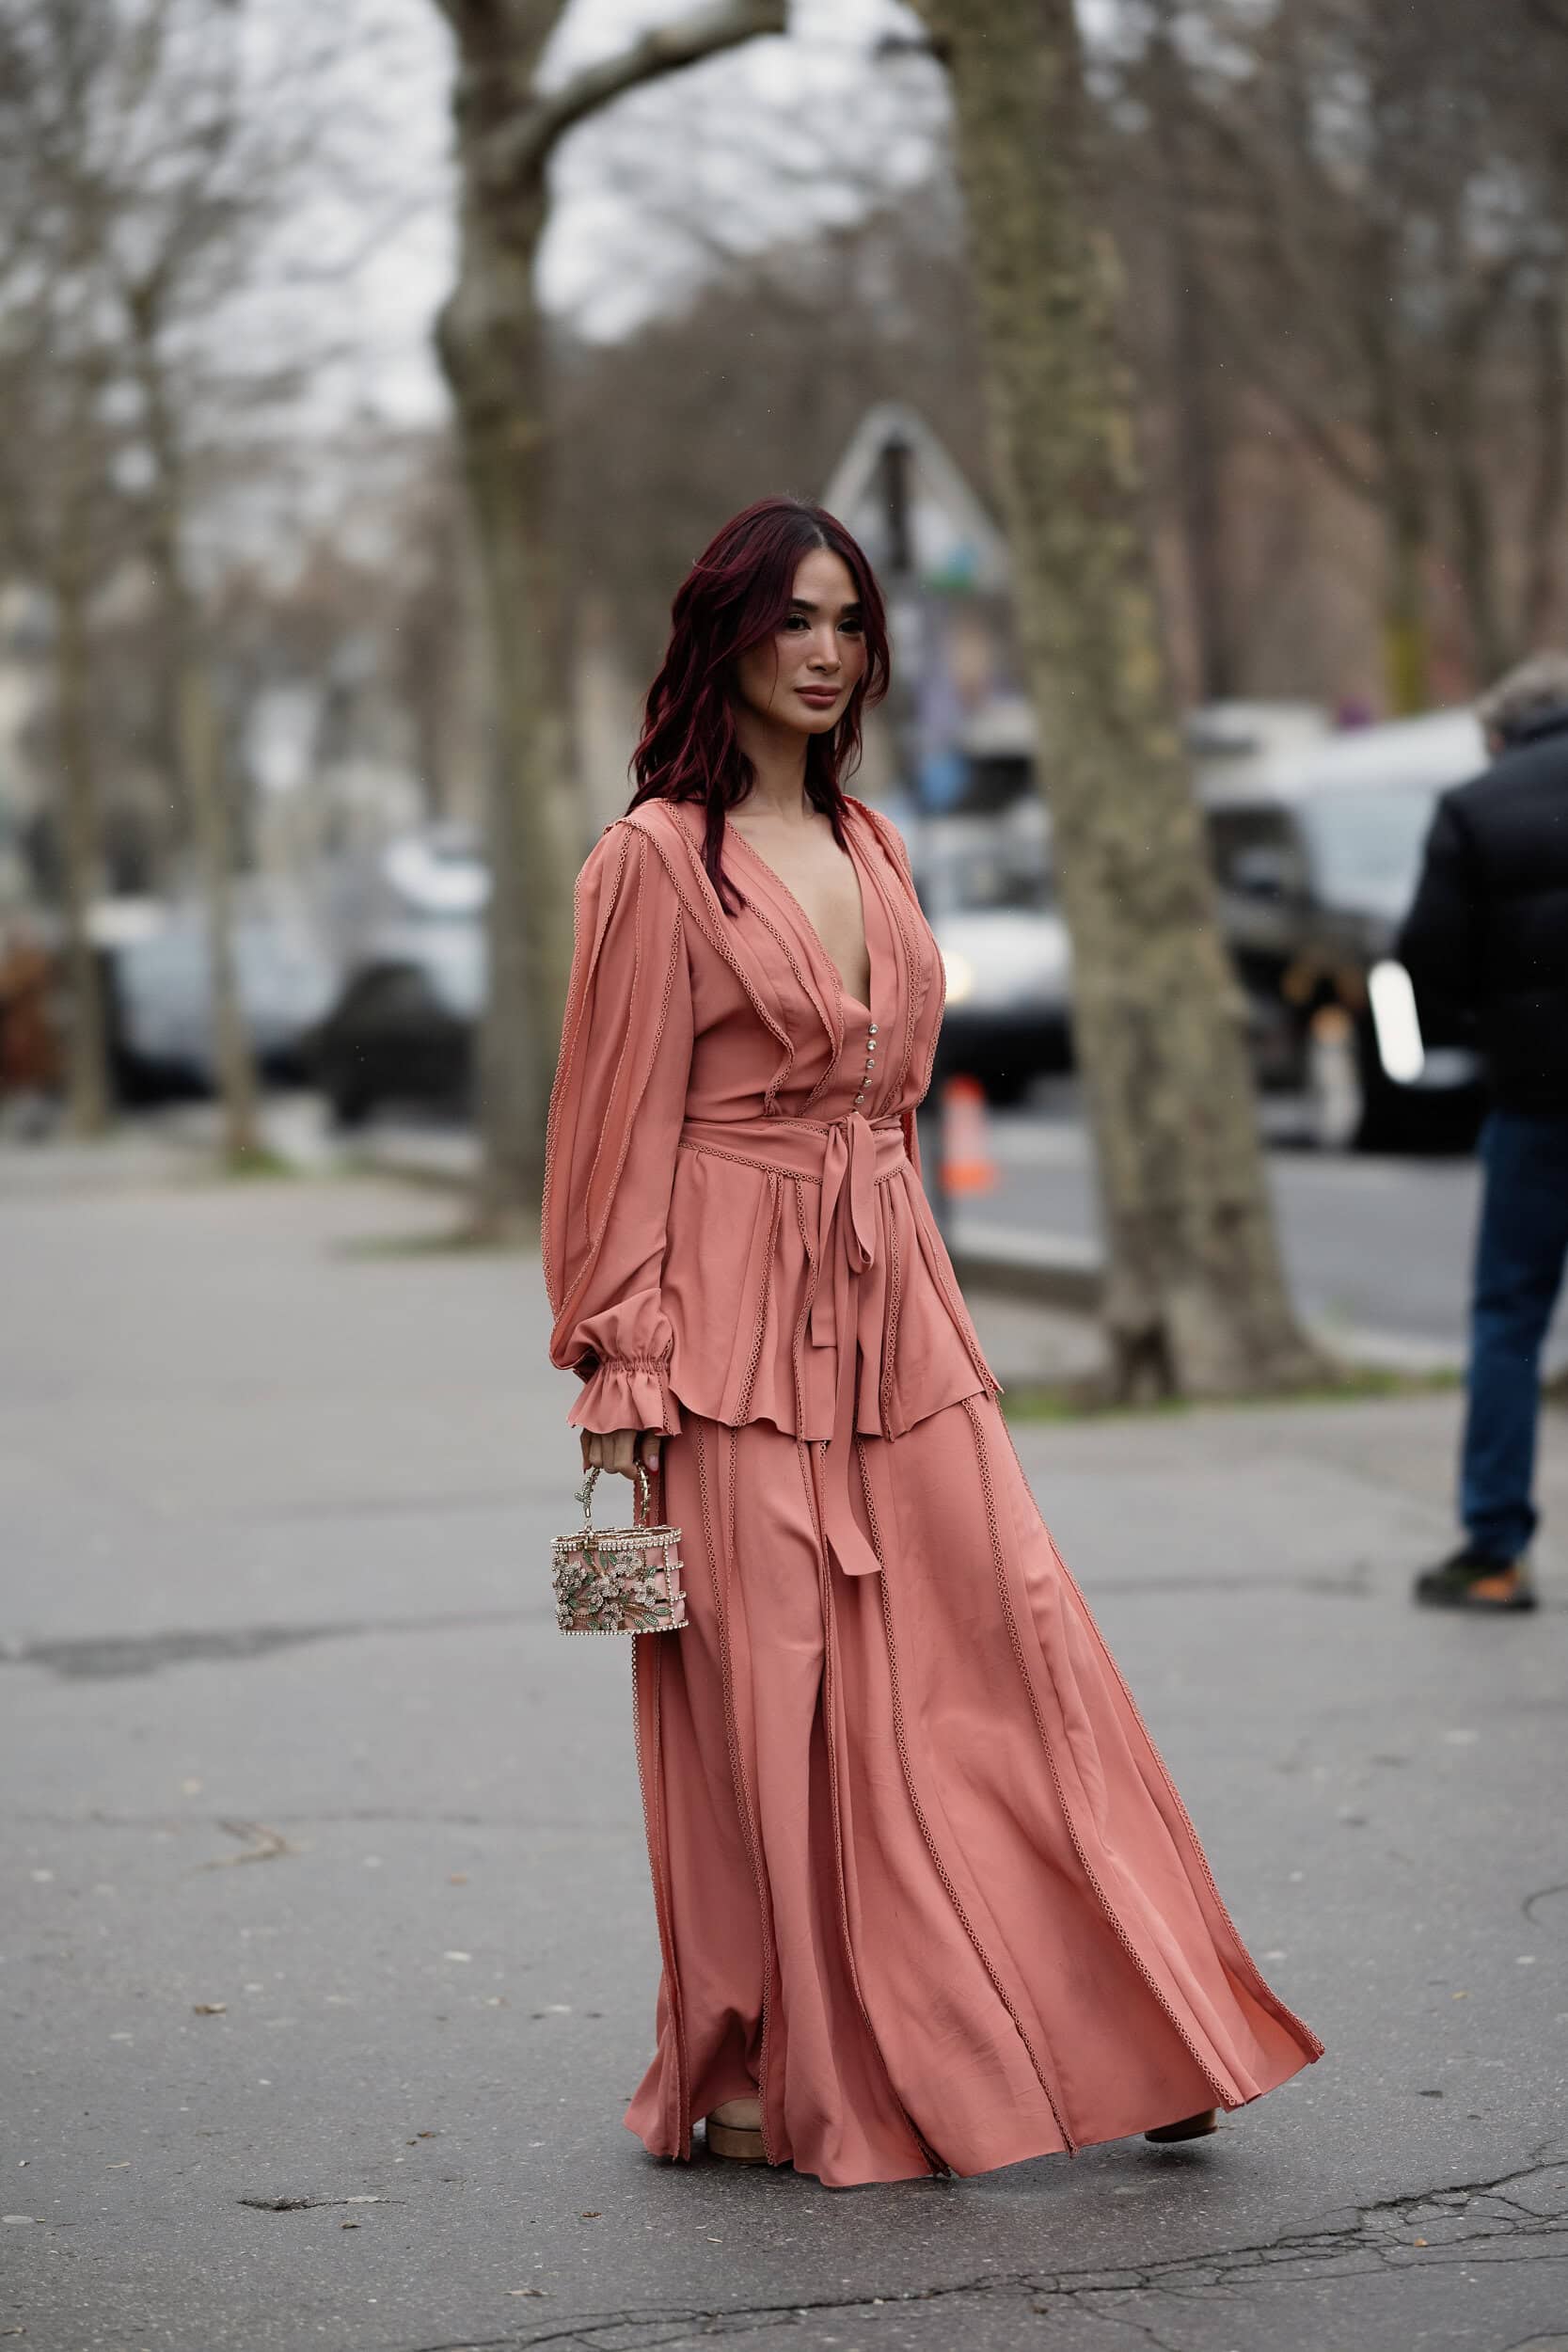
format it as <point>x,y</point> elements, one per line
<point>883,827</point>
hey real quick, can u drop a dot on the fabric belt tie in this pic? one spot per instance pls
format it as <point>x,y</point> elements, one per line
<point>847,1244</point>
<point>844,1154</point>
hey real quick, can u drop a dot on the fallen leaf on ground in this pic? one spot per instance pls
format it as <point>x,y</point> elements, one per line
<point>209,2009</point>
<point>265,1846</point>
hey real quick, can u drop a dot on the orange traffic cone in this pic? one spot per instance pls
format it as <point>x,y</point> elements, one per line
<point>967,1165</point>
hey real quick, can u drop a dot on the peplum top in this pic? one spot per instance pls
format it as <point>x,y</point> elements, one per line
<point>734,1219</point>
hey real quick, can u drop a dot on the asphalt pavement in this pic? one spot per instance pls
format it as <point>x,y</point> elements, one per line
<point>1377,1247</point>
<point>328,1957</point>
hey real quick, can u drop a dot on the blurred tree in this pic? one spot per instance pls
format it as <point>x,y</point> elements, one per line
<point>492,345</point>
<point>132,117</point>
<point>1195,1301</point>
<point>1191,368</point>
<point>57,492</point>
<point>196,172</point>
<point>161,143</point>
<point>757,381</point>
<point>432,629</point>
<point>1385,203</point>
<point>198,733</point>
<point>53,494</point>
<point>350,650</point>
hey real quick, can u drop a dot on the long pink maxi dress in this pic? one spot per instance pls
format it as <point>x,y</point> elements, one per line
<point>921,1879</point>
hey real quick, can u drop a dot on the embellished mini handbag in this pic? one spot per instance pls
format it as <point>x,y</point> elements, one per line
<point>619,1579</point>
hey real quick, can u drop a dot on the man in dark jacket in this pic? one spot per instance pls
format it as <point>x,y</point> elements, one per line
<point>1489,933</point>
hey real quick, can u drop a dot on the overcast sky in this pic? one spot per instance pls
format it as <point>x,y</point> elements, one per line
<point>748,143</point>
<point>766,142</point>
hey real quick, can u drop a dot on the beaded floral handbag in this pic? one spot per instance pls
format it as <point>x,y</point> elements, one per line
<point>618,1580</point>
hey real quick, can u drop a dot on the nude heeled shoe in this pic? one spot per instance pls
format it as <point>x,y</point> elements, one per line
<point>734,2130</point>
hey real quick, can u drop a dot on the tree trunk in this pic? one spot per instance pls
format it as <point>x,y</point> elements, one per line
<point>490,338</point>
<point>1402,494</point>
<point>1543,522</point>
<point>197,743</point>
<point>491,342</point>
<point>1406,652</point>
<point>1465,444</point>
<point>1191,389</point>
<point>1195,1299</point>
<point>87,1072</point>
<point>1475,560</point>
<point>201,768</point>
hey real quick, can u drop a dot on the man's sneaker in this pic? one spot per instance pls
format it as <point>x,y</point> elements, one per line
<point>1471,1580</point>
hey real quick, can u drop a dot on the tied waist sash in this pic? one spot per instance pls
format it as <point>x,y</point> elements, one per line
<point>847,1156</point>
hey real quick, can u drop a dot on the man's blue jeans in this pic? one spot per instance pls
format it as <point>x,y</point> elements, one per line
<point>1519,1258</point>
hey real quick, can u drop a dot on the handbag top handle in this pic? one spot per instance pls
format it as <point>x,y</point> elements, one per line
<point>641,1510</point>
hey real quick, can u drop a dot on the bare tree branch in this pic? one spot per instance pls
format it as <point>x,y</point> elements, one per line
<point>521,148</point>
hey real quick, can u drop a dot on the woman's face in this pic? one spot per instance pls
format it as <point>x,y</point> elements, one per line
<point>803,675</point>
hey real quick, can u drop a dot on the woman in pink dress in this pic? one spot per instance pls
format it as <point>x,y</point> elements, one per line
<point>926,1897</point>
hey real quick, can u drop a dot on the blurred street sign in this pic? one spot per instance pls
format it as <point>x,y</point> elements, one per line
<point>944,566</point>
<point>912,510</point>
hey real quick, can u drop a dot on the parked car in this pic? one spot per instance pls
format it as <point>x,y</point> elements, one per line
<point>985,882</point>
<point>1316,850</point>
<point>1235,740</point>
<point>403,1029</point>
<point>427,873</point>
<point>985,887</point>
<point>158,986</point>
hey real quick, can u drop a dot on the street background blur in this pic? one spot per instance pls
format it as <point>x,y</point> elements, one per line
<point>1208,427</point>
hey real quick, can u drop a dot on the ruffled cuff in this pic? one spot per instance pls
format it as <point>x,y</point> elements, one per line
<point>628,1392</point>
<point>623,1355</point>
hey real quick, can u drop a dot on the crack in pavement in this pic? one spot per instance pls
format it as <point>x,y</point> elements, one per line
<point>307,2205</point>
<point>187,1823</point>
<point>106,1656</point>
<point>1543,1894</point>
<point>1444,2225</point>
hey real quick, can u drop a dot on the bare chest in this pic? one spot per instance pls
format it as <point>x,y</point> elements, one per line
<point>825,885</point>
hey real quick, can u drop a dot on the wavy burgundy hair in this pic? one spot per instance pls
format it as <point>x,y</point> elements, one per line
<point>736,595</point>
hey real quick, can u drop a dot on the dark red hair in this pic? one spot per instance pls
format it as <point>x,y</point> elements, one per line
<point>736,595</point>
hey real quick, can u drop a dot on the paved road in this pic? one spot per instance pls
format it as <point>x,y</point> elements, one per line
<point>1380,1246</point>
<point>1377,1250</point>
<point>327,1954</point>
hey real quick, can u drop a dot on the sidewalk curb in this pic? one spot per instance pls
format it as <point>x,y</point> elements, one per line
<point>1068,1275</point>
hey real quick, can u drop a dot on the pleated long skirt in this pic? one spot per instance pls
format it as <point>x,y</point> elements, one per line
<point>920,1878</point>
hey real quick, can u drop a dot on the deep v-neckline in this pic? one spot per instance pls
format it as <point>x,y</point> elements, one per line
<point>860,1004</point>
